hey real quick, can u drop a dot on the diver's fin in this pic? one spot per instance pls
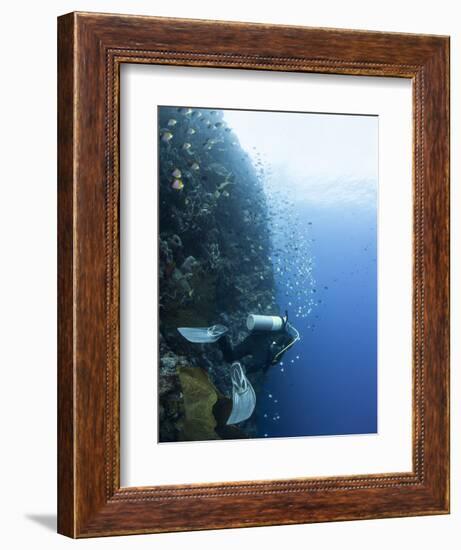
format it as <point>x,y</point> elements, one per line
<point>204,335</point>
<point>243,396</point>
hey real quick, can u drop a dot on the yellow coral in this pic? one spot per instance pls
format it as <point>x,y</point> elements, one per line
<point>199,396</point>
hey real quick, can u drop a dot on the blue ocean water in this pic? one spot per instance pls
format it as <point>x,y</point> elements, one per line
<point>325,264</point>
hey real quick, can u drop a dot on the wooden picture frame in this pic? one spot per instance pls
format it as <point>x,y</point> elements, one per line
<point>92,48</point>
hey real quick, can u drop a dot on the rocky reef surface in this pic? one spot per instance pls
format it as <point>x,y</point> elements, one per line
<point>213,268</point>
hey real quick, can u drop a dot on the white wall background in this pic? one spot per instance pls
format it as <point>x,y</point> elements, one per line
<point>28,271</point>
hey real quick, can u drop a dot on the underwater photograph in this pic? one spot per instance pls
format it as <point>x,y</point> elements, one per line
<point>267,274</point>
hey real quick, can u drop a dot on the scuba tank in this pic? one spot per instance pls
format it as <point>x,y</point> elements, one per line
<point>269,323</point>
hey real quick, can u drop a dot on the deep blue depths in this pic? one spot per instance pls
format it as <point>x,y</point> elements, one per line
<point>331,388</point>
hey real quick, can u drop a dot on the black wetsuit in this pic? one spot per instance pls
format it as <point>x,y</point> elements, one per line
<point>263,347</point>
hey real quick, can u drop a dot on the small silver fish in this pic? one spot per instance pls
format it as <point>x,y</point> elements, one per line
<point>177,185</point>
<point>166,136</point>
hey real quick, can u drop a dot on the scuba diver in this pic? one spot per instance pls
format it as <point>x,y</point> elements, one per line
<point>270,337</point>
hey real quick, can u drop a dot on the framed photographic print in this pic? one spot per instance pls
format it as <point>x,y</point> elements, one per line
<point>253,275</point>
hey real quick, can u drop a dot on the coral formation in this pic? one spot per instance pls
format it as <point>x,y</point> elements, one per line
<point>213,262</point>
<point>199,396</point>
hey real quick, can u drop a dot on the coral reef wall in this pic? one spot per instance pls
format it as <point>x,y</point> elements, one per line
<point>213,257</point>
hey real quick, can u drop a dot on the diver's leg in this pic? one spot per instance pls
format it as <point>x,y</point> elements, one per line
<point>226,348</point>
<point>246,347</point>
